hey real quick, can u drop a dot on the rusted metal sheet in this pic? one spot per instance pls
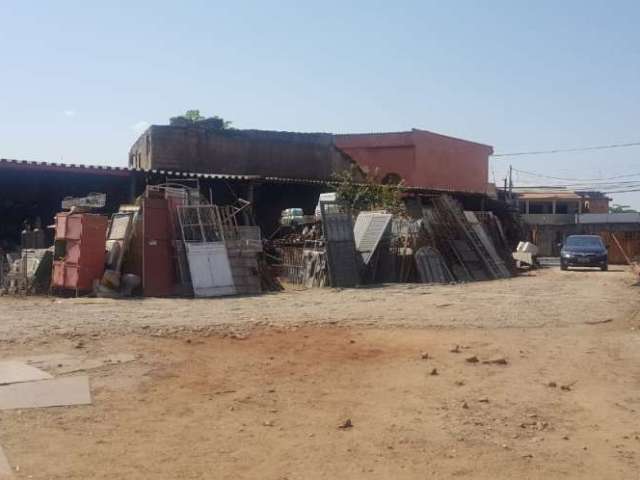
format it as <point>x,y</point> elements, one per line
<point>157,267</point>
<point>431,266</point>
<point>80,239</point>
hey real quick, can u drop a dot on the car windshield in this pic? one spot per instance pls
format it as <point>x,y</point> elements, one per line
<point>584,242</point>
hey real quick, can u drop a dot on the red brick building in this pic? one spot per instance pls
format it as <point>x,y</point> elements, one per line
<point>421,159</point>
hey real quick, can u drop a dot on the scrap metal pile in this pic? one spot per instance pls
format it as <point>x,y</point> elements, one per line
<point>448,244</point>
<point>171,242</point>
<point>472,244</point>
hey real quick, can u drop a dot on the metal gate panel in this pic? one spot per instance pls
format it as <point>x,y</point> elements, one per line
<point>210,270</point>
<point>341,247</point>
<point>368,231</point>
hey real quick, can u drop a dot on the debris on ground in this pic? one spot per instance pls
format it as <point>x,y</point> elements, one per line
<point>483,400</point>
<point>552,384</point>
<point>434,372</point>
<point>598,322</point>
<point>346,424</point>
<point>61,391</point>
<point>12,371</point>
<point>535,425</point>
<point>496,361</point>
<point>455,349</point>
<point>60,363</point>
<point>465,405</point>
<point>472,359</point>
<point>424,355</point>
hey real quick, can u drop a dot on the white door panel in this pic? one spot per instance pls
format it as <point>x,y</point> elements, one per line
<point>210,269</point>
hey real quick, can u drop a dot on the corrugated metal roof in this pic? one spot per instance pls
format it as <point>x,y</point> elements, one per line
<point>113,170</point>
<point>310,181</point>
<point>29,163</point>
<point>120,170</point>
<point>333,183</point>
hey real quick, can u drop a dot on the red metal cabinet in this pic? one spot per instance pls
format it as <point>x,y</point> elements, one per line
<point>83,236</point>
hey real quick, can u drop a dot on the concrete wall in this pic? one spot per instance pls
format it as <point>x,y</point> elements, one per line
<point>240,152</point>
<point>422,159</point>
<point>596,205</point>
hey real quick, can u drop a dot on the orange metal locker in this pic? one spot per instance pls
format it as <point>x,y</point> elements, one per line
<point>83,236</point>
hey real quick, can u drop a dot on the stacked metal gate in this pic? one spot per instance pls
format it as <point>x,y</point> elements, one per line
<point>206,251</point>
<point>340,244</point>
<point>221,255</point>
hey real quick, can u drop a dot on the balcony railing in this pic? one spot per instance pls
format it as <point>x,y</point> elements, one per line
<point>549,218</point>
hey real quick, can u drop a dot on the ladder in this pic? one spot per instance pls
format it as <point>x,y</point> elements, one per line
<point>492,267</point>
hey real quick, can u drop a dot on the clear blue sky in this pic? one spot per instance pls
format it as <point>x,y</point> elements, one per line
<point>80,79</point>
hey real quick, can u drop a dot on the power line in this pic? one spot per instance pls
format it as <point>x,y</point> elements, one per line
<point>575,179</point>
<point>583,186</point>
<point>575,188</point>
<point>583,183</point>
<point>567,150</point>
<point>622,191</point>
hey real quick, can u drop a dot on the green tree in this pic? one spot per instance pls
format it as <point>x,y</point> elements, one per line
<point>615,208</point>
<point>194,118</point>
<point>368,195</point>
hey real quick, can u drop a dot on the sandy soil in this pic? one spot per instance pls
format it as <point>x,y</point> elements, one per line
<point>257,387</point>
<point>542,298</point>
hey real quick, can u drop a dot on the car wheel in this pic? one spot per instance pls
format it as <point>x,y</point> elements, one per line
<point>604,267</point>
<point>563,266</point>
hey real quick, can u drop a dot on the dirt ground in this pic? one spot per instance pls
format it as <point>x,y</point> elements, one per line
<point>257,387</point>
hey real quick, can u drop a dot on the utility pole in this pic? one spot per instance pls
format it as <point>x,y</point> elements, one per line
<point>510,182</point>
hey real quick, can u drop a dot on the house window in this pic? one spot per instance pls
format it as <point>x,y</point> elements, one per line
<point>540,207</point>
